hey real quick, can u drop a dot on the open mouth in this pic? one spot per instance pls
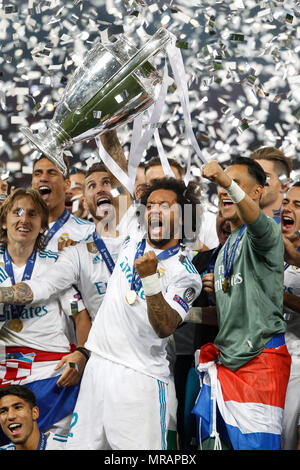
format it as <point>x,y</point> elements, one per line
<point>227,203</point>
<point>103,201</point>
<point>44,190</point>
<point>156,227</point>
<point>287,221</point>
<point>104,206</point>
<point>15,428</point>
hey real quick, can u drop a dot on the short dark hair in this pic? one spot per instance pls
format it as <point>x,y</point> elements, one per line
<point>20,391</point>
<point>254,169</point>
<point>74,171</point>
<point>99,167</point>
<point>39,203</point>
<point>156,161</point>
<point>282,164</point>
<point>95,168</point>
<point>186,196</point>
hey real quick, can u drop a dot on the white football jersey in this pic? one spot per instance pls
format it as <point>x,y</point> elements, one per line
<point>54,442</point>
<point>74,229</point>
<point>292,335</point>
<point>121,332</point>
<point>42,326</point>
<point>83,266</point>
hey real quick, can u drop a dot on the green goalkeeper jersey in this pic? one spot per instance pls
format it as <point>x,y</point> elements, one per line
<point>250,313</point>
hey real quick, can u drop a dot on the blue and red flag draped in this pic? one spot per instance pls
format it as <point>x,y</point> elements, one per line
<point>244,406</point>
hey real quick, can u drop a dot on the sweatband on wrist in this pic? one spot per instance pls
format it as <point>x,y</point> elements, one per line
<point>151,284</point>
<point>235,192</point>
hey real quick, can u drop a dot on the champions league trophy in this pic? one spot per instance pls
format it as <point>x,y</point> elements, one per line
<point>114,84</point>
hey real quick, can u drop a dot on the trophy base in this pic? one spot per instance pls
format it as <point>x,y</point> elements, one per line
<point>48,148</point>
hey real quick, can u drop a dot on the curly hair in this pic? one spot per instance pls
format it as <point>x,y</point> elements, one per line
<point>188,198</point>
<point>39,204</point>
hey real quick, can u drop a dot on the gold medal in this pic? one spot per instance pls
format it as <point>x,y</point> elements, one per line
<point>225,285</point>
<point>131,297</point>
<point>16,325</point>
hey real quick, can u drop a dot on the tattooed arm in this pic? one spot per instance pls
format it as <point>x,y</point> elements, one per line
<point>112,145</point>
<point>19,294</point>
<point>163,318</point>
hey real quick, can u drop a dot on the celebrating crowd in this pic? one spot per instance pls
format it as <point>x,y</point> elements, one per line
<point>148,322</point>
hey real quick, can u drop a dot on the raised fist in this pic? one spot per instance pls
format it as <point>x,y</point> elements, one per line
<point>213,172</point>
<point>146,265</point>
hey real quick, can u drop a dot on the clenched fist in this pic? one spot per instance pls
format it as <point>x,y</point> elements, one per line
<point>146,265</point>
<point>213,172</point>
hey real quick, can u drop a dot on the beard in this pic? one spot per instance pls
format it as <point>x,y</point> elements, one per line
<point>166,236</point>
<point>104,215</point>
<point>158,243</point>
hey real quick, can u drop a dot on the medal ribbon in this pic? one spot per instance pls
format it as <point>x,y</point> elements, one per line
<point>228,267</point>
<point>136,282</point>
<point>42,442</point>
<point>104,252</point>
<point>17,309</point>
<point>58,224</point>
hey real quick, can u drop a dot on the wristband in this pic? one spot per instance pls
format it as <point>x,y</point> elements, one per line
<point>84,352</point>
<point>235,192</point>
<point>151,284</point>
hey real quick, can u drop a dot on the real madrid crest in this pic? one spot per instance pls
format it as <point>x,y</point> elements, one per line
<point>92,247</point>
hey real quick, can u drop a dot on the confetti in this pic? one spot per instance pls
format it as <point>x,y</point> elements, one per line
<point>241,61</point>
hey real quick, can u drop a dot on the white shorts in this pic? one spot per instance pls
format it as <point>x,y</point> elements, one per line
<point>118,408</point>
<point>289,435</point>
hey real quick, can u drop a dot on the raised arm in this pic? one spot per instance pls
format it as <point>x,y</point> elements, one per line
<point>112,145</point>
<point>248,208</point>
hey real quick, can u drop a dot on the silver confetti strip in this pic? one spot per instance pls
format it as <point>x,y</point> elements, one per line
<point>230,49</point>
